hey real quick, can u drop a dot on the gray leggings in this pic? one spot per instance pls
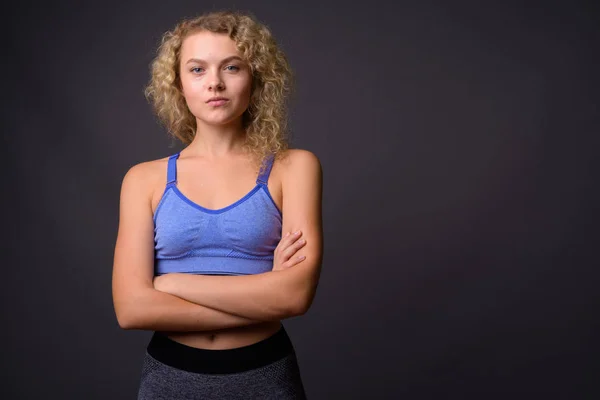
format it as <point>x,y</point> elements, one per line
<point>264,370</point>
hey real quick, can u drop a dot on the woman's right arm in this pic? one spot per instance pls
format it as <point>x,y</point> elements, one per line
<point>137,304</point>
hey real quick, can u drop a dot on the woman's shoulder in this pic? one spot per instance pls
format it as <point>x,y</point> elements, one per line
<point>293,158</point>
<point>299,168</point>
<point>297,161</point>
<point>146,174</point>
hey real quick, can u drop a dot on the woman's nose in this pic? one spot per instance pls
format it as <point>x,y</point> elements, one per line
<point>215,82</point>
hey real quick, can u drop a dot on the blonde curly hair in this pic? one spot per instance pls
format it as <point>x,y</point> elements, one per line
<point>265,120</point>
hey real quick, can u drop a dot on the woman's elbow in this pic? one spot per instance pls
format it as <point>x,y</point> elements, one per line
<point>303,299</point>
<point>298,309</point>
<point>130,311</point>
<point>304,287</point>
<point>125,317</point>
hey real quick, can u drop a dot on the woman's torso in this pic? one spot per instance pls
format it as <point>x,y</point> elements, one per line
<point>215,186</point>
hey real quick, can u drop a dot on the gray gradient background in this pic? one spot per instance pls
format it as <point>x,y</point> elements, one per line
<point>458,142</point>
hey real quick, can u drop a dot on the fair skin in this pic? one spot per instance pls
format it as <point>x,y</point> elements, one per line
<point>213,171</point>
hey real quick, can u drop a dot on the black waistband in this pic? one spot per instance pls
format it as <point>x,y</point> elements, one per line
<point>227,361</point>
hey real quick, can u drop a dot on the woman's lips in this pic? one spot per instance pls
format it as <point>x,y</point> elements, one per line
<point>216,103</point>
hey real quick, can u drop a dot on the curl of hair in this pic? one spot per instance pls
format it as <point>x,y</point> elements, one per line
<point>265,120</point>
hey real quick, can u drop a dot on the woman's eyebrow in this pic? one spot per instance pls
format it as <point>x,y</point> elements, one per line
<point>198,60</point>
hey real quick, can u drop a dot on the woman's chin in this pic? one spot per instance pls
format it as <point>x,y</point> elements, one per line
<point>225,121</point>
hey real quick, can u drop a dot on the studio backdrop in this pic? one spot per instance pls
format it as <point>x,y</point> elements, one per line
<point>458,142</point>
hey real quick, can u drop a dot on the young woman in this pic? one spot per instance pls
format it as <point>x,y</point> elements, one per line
<point>219,242</point>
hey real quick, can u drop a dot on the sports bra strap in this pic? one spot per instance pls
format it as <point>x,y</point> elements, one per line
<point>172,169</point>
<point>264,175</point>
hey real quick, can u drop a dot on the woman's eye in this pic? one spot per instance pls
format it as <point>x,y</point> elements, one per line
<point>196,69</point>
<point>232,66</point>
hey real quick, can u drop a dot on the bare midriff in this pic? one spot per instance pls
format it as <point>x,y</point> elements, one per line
<point>226,338</point>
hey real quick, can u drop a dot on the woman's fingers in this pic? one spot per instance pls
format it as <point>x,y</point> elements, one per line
<point>293,261</point>
<point>293,244</point>
<point>295,247</point>
<point>289,244</point>
<point>292,237</point>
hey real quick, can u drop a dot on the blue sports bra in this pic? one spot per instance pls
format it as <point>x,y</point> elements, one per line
<point>235,240</point>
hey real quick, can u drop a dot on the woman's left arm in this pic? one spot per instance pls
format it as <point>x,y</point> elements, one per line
<point>279,294</point>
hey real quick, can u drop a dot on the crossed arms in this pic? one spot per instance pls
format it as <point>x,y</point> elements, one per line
<point>182,302</point>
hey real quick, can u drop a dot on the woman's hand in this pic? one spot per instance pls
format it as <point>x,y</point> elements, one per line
<point>284,256</point>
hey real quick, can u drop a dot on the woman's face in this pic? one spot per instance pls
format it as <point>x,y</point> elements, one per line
<point>211,67</point>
